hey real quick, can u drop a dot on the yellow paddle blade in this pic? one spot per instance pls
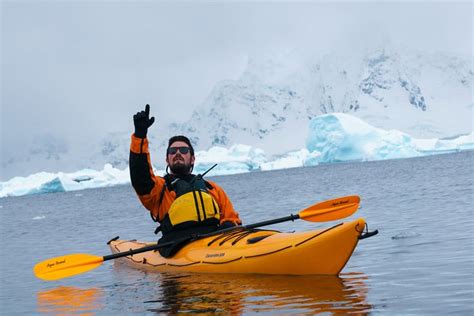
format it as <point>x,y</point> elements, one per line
<point>66,266</point>
<point>331,210</point>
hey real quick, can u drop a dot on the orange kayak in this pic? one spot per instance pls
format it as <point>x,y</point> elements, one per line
<point>323,252</point>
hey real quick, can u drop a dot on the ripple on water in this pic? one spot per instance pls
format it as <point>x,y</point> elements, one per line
<point>406,235</point>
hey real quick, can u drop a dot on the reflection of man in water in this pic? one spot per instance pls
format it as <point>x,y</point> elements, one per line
<point>181,294</point>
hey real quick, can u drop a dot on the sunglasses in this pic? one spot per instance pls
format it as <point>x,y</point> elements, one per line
<point>173,150</point>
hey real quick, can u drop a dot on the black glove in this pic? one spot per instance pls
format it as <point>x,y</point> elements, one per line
<point>226,224</point>
<point>142,121</point>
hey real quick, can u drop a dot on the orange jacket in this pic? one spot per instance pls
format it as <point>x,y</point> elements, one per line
<point>149,187</point>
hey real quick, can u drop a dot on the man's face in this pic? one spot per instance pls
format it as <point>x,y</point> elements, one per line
<point>179,162</point>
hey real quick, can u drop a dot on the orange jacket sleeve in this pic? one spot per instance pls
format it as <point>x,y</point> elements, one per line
<point>228,214</point>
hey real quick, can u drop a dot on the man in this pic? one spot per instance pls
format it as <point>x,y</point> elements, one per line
<point>183,203</point>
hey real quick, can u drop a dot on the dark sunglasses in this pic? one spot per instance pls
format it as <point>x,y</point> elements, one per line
<point>173,150</point>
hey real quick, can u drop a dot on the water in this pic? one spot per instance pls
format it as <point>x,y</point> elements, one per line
<point>421,262</point>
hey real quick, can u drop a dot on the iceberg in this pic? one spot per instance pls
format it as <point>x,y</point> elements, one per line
<point>335,137</point>
<point>293,159</point>
<point>237,159</point>
<point>45,182</point>
<point>340,137</point>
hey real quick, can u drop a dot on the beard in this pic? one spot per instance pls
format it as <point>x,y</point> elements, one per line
<point>180,168</point>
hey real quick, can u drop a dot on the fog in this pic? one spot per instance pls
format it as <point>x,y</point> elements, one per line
<point>77,70</point>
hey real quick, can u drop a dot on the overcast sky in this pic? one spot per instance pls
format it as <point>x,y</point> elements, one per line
<point>77,69</point>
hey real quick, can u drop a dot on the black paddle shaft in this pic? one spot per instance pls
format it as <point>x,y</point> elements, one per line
<point>166,244</point>
<point>274,221</point>
<point>135,251</point>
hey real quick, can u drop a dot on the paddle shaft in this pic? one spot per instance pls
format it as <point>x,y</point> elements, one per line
<point>274,221</point>
<point>135,251</point>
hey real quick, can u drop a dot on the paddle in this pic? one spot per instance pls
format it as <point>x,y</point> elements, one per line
<point>69,265</point>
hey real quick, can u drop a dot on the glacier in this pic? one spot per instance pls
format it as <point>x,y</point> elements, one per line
<point>331,138</point>
<point>424,94</point>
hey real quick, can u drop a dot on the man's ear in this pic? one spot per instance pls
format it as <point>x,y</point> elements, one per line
<point>167,162</point>
<point>192,160</point>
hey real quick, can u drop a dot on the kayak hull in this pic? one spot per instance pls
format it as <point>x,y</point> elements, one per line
<point>318,252</point>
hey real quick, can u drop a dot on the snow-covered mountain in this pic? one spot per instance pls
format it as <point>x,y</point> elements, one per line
<point>270,105</point>
<point>427,95</point>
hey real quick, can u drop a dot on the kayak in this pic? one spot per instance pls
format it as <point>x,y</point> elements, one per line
<point>319,252</point>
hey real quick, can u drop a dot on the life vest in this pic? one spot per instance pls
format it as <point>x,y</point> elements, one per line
<point>193,205</point>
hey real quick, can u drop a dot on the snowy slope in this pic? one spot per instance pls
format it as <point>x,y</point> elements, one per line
<point>426,95</point>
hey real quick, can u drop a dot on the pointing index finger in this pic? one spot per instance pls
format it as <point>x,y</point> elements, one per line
<point>147,110</point>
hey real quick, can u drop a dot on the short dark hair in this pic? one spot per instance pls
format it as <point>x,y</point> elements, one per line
<point>181,138</point>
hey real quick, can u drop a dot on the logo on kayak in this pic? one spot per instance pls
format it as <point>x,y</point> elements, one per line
<point>340,202</point>
<point>50,265</point>
<point>215,255</point>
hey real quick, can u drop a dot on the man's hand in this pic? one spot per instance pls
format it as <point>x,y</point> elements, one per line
<point>142,121</point>
<point>226,225</point>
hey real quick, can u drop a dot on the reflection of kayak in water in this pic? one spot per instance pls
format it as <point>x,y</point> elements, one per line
<point>241,294</point>
<point>68,299</point>
<point>172,293</point>
<point>323,252</point>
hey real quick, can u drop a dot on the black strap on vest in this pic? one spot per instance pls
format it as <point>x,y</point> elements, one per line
<point>214,206</point>
<point>197,206</point>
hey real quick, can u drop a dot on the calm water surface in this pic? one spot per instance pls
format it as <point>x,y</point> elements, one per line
<point>422,261</point>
